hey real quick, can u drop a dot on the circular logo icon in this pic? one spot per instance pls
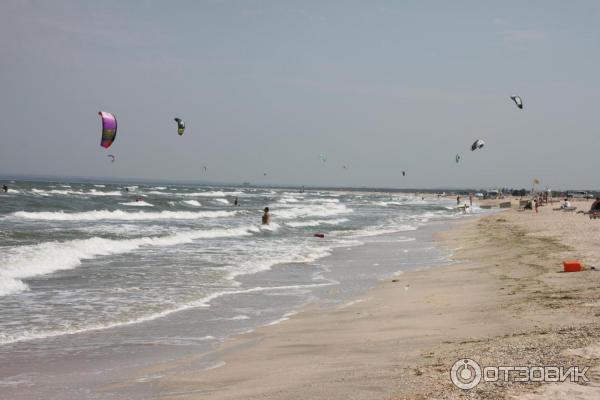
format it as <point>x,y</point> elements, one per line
<point>465,374</point>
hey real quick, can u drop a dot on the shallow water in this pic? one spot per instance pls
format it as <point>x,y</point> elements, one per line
<point>113,277</point>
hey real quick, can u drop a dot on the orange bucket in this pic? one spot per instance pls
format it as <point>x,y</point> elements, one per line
<point>572,266</point>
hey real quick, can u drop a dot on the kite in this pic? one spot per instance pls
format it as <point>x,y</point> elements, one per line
<point>112,158</point>
<point>323,157</point>
<point>457,158</point>
<point>403,173</point>
<point>204,166</point>
<point>109,129</point>
<point>180,126</point>
<point>517,101</point>
<point>477,144</point>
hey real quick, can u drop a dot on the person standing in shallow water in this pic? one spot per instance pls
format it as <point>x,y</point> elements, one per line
<point>266,217</point>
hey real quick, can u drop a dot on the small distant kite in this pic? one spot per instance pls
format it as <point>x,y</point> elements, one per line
<point>477,144</point>
<point>180,126</point>
<point>536,181</point>
<point>264,174</point>
<point>403,173</point>
<point>323,157</point>
<point>109,129</point>
<point>112,158</point>
<point>345,167</point>
<point>204,166</point>
<point>457,158</point>
<point>517,101</point>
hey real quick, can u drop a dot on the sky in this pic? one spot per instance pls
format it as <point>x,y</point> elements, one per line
<point>268,86</point>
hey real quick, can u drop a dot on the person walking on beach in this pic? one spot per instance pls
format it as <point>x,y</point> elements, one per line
<point>595,205</point>
<point>458,200</point>
<point>536,204</point>
<point>471,199</point>
<point>266,217</point>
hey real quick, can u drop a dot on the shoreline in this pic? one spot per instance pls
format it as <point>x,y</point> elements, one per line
<point>400,339</point>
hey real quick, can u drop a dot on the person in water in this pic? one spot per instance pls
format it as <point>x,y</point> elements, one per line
<point>235,203</point>
<point>266,217</point>
<point>4,188</point>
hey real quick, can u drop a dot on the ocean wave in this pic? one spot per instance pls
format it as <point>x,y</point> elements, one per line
<point>286,200</point>
<point>283,254</point>
<point>137,204</point>
<point>382,230</point>
<point>92,192</point>
<point>221,201</point>
<point>9,286</point>
<point>193,203</point>
<point>316,222</point>
<point>204,194</point>
<point>324,210</point>
<point>36,334</point>
<point>324,201</point>
<point>44,258</point>
<point>387,203</point>
<point>118,215</point>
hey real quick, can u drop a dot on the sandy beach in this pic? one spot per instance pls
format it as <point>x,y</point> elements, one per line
<point>504,302</point>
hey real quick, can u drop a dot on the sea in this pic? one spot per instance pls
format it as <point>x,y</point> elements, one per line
<point>98,280</point>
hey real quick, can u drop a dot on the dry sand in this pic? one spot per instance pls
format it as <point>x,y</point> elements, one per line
<point>504,303</point>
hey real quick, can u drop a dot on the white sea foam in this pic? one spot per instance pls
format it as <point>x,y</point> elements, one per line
<point>284,254</point>
<point>91,192</point>
<point>9,286</point>
<point>137,204</point>
<point>100,193</point>
<point>221,201</point>
<point>322,210</point>
<point>284,318</point>
<point>316,222</point>
<point>218,193</point>
<point>324,200</point>
<point>44,258</point>
<point>36,334</point>
<point>204,194</point>
<point>118,215</point>
<point>193,203</point>
<point>382,230</point>
<point>387,203</point>
<point>286,200</point>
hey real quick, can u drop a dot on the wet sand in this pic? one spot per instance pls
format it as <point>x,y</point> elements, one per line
<point>505,302</point>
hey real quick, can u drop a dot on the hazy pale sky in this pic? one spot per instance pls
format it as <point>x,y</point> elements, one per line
<point>266,86</point>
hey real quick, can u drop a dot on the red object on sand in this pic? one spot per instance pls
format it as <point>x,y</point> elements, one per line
<point>572,266</point>
<point>320,235</point>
